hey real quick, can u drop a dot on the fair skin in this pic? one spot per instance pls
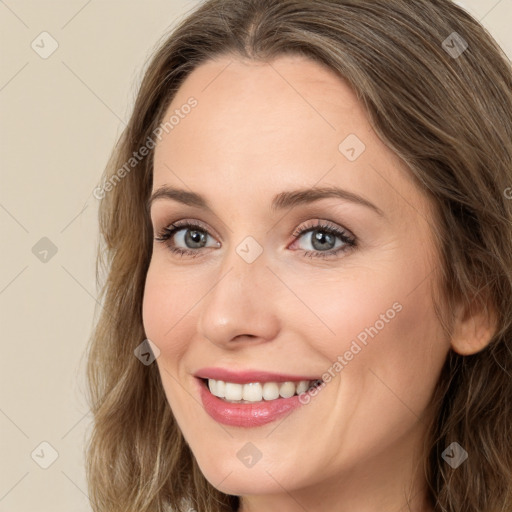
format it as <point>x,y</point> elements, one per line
<point>260,129</point>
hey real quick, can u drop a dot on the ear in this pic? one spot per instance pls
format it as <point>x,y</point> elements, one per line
<point>473,328</point>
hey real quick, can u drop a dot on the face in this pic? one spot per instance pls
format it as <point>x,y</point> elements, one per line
<point>269,285</point>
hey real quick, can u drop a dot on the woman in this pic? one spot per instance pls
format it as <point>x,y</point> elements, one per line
<point>307,232</point>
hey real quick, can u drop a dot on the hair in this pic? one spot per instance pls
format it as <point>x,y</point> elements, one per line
<point>449,118</point>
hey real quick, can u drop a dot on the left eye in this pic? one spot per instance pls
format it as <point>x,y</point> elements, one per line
<point>322,239</point>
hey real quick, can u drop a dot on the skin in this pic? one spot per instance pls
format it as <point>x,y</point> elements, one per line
<point>260,129</point>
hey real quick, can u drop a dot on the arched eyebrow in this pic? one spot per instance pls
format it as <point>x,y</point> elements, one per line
<point>283,200</point>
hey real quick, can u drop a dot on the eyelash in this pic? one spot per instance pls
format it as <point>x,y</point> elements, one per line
<point>350,242</point>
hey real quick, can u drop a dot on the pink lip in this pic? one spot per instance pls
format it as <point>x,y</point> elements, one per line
<point>246,415</point>
<point>245,377</point>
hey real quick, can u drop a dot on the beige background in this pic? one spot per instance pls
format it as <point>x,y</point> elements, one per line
<point>60,117</point>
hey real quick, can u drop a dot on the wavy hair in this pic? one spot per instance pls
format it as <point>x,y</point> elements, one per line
<point>448,116</point>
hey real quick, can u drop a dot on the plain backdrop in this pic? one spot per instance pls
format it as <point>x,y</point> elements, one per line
<point>60,116</point>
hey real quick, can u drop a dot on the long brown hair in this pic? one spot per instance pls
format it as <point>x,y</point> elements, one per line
<point>446,110</point>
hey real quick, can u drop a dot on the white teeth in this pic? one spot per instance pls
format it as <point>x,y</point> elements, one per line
<point>302,386</point>
<point>233,391</point>
<point>256,391</point>
<point>220,388</point>
<point>252,392</point>
<point>287,389</point>
<point>270,390</point>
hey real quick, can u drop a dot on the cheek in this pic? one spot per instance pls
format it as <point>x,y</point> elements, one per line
<point>379,317</point>
<point>165,310</point>
<point>361,304</point>
<point>391,344</point>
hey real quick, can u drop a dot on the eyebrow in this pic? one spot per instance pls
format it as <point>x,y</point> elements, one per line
<point>283,200</point>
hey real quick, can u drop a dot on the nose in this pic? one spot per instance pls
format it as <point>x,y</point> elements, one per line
<point>241,304</point>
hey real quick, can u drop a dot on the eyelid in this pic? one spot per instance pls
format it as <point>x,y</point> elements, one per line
<point>322,223</point>
<point>185,222</point>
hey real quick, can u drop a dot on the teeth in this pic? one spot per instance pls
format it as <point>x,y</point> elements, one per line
<point>256,391</point>
<point>302,386</point>
<point>287,389</point>
<point>252,392</point>
<point>220,388</point>
<point>233,391</point>
<point>270,390</point>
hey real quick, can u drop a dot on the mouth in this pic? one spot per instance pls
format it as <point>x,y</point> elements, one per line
<point>254,392</point>
<point>251,402</point>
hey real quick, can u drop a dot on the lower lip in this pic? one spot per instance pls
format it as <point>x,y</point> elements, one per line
<point>246,415</point>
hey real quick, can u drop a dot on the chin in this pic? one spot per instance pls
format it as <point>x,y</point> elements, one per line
<point>234,478</point>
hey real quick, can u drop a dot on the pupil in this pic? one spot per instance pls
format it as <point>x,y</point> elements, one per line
<point>322,237</point>
<point>194,236</point>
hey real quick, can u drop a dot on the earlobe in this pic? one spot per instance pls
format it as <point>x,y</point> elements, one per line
<point>474,327</point>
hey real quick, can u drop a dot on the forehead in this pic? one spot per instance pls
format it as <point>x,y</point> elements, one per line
<point>258,104</point>
<point>272,126</point>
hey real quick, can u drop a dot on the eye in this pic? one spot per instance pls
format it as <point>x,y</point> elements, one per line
<point>194,236</point>
<point>322,237</point>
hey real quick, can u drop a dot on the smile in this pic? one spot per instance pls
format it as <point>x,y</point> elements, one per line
<point>250,398</point>
<point>256,391</point>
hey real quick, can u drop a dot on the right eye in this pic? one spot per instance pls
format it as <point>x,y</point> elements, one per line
<point>194,237</point>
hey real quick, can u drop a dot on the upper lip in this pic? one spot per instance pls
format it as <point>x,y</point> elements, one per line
<point>247,376</point>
